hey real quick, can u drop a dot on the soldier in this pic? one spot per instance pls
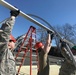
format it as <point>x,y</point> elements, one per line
<point>7,44</point>
<point>67,67</point>
<point>43,51</point>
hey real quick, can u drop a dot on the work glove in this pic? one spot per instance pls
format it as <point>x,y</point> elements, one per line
<point>14,12</point>
<point>63,44</point>
<point>52,34</point>
<point>49,32</point>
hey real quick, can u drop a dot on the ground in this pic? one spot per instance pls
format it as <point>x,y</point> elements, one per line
<point>55,63</point>
<point>25,70</point>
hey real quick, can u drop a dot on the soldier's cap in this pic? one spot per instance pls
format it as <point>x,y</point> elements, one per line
<point>38,45</point>
<point>74,47</point>
<point>12,38</point>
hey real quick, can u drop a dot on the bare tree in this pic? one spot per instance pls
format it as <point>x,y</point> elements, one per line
<point>68,32</point>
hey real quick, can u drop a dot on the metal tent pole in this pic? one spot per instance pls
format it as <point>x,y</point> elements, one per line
<point>11,7</point>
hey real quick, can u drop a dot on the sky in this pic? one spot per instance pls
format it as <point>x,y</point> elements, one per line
<point>55,12</point>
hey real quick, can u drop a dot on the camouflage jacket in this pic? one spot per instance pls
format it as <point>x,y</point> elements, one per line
<point>67,67</point>
<point>7,62</point>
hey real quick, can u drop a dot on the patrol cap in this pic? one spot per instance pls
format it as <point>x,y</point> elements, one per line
<point>74,47</point>
<point>38,45</point>
<point>12,38</point>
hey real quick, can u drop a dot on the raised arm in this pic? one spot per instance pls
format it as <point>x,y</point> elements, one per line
<point>65,52</point>
<point>6,30</point>
<point>8,26</point>
<point>48,42</point>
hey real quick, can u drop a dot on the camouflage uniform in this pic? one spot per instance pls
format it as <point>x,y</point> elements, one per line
<point>44,67</point>
<point>7,62</point>
<point>67,67</point>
